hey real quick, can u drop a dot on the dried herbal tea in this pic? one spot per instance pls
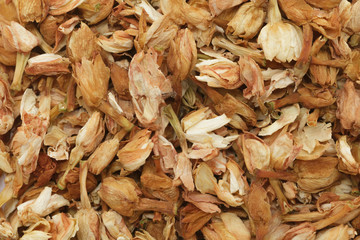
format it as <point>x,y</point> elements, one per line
<point>179,119</point>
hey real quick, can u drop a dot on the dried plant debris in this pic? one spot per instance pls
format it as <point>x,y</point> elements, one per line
<point>180,119</point>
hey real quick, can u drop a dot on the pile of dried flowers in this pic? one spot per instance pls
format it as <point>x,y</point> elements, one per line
<point>174,119</point>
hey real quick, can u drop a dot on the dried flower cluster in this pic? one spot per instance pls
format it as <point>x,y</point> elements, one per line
<point>175,119</point>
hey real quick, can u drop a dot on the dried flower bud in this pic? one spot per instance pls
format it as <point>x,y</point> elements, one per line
<point>118,43</point>
<point>256,152</point>
<point>120,79</point>
<point>56,140</point>
<point>82,44</point>
<point>92,79</point>
<point>353,68</point>
<point>64,227</point>
<point>182,54</point>
<point>60,7</point>
<point>40,235</point>
<point>47,64</point>
<point>103,155</point>
<point>134,154</point>
<point>199,129</point>
<point>6,106</point>
<point>251,76</point>
<point>283,151</point>
<point>167,152</point>
<point>219,72</point>
<point>43,205</point>
<point>353,23</point>
<point>6,230</point>
<point>348,163</point>
<point>121,194</point>
<point>348,102</point>
<point>156,183</point>
<point>217,6</point>
<point>49,26</point>
<point>204,179</point>
<point>258,206</point>
<point>91,133</point>
<point>280,40</point>
<point>341,232</point>
<point>17,38</point>
<point>318,174</point>
<point>326,4</point>
<point>147,85</point>
<point>95,11</point>
<point>247,21</point>
<point>115,225</point>
<point>288,115</point>
<point>88,222</point>
<point>30,11</point>
<point>323,75</point>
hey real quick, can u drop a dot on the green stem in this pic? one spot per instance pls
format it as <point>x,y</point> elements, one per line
<point>175,123</point>
<point>106,108</point>
<point>21,60</point>
<point>75,156</point>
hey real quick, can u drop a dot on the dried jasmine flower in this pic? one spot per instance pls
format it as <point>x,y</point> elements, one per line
<point>198,119</point>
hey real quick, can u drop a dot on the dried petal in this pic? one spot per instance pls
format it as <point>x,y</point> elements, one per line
<point>17,38</point>
<point>33,10</point>
<point>147,85</point>
<point>134,154</point>
<point>347,102</point>
<point>118,43</point>
<point>256,152</point>
<point>247,21</point>
<point>47,64</point>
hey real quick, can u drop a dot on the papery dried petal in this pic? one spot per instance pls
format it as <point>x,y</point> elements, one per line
<point>318,174</point>
<point>348,101</point>
<point>63,6</point>
<point>259,208</point>
<point>250,75</point>
<point>65,227</point>
<point>235,226</point>
<point>183,171</point>
<point>33,10</point>
<point>115,224</point>
<point>280,40</point>
<point>256,152</point>
<point>118,43</point>
<point>120,194</point>
<point>82,43</point>
<point>134,154</point>
<point>95,11</point>
<point>47,64</point>
<point>288,115</point>
<point>247,21</point>
<point>147,85</point>
<point>182,54</point>
<point>17,38</point>
<point>92,78</point>
<point>6,106</point>
<point>348,162</point>
<point>219,73</point>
